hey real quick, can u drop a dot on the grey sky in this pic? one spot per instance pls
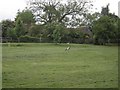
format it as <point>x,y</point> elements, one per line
<point>9,8</point>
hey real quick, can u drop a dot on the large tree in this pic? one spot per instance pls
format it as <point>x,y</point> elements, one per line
<point>58,32</point>
<point>27,19</point>
<point>6,26</point>
<point>19,29</point>
<point>47,11</point>
<point>89,19</point>
<point>26,16</point>
<point>105,29</point>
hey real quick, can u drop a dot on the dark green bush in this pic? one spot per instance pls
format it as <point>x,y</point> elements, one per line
<point>27,38</point>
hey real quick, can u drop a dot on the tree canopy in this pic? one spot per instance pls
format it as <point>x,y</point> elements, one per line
<point>63,21</point>
<point>6,26</point>
<point>106,29</point>
<point>56,11</point>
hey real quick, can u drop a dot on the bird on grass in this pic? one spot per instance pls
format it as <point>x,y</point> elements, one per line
<point>68,48</point>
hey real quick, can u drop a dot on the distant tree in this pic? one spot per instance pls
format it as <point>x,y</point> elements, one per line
<point>36,30</point>
<point>56,11</point>
<point>6,26</point>
<point>104,29</point>
<point>49,28</point>
<point>27,19</point>
<point>26,16</point>
<point>19,29</point>
<point>11,33</point>
<point>58,32</point>
<point>90,18</point>
<point>105,10</point>
<point>116,22</point>
<point>118,31</point>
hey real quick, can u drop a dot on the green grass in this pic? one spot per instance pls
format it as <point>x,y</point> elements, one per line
<point>0,66</point>
<point>50,66</point>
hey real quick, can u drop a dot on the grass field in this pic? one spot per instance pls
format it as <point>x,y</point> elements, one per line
<point>0,66</point>
<point>50,66</point>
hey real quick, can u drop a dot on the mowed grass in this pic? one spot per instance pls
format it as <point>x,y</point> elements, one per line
<point>46,65</point>
<point>0,66</point>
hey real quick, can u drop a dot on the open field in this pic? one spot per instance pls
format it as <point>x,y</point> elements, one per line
<point>50,66</point>
<point>0,66</point>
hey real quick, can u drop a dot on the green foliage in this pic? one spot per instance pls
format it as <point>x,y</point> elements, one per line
<point>105,10</point>
<point>11,33</point>
<point>19,28</point>
<point>29,39</point>
<point>49,28</point>
<point>90,18</point>
<point>58,33</point>
<point>26,16</point>
<point>27,19</point>
<point>48,20</point>
<point>104,29</point>
<point>54,11</point>
<point>37,31</point>
<point>6,26</point>
<point>118,28</point>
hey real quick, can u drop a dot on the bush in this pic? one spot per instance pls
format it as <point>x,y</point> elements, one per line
<point>27,38</point>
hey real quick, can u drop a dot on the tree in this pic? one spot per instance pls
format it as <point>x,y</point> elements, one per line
<point>105,10</point>
<point>56,11</point>
<point>26,16</point>
<point>27,19</point>
<point>11,33</point>
<point>115,19</point>
<point>118,35</point>
<point>89,19</point>
<point>104,29</point>
<point>6,26</point>
<point>58,33</point>
<point>36,30</point>
<point>19,28</point>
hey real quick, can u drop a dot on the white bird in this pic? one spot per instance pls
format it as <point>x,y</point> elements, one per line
<point>68,43</point>
<point>68,48</point>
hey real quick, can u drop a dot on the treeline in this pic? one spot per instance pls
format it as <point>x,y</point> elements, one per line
<point>60,23</point>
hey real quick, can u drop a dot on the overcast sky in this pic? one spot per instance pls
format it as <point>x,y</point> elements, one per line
<point>9,8</point>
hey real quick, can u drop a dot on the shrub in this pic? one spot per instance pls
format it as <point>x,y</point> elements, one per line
<point>27,38</point>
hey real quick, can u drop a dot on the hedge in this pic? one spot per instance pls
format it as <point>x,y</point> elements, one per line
<point>27,38</point>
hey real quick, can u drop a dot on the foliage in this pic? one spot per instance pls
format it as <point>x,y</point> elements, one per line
<point>58,33</point>
<point>90,18</point>
<point>49,20</point>
<point>26,16</point>
<point>36,30</point>
<point>29,39</point>
<point>118,30</point>
<point>49,28</point>
<point>27,19</point>
<point>19,28</point>
<point>6,26</point>
<point>104,29</point>
<point>105,10</point>
<point>56,11</point>
<point>11,33</point>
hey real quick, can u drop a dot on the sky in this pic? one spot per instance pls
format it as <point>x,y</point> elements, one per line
<point>9,8</point>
